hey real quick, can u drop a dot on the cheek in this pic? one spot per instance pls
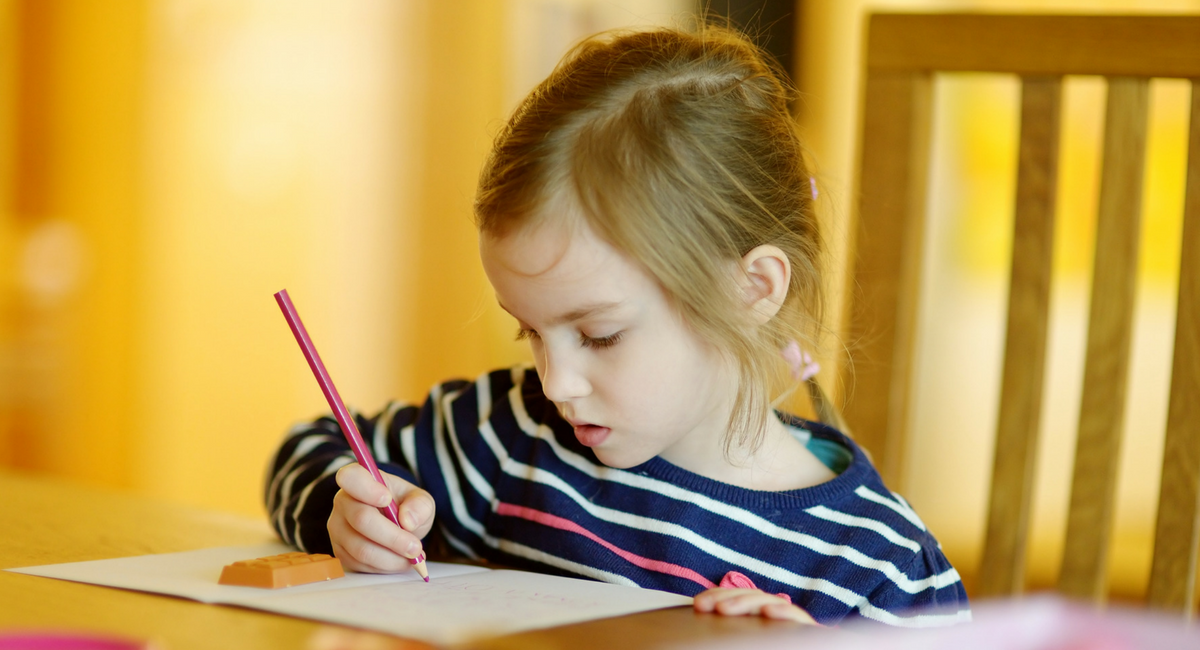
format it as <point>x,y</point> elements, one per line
<point>646,373</point>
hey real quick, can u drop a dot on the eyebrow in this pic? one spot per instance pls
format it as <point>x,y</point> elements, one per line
<point>586,311</point>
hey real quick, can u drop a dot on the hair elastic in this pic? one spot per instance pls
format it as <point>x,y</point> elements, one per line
<point>802,364</point>
<point>812,183</point>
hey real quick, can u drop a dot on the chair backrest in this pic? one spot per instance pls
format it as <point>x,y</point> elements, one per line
<point>903,53</point>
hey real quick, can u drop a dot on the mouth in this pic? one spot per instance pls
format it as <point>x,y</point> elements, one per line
<point>589,435</point>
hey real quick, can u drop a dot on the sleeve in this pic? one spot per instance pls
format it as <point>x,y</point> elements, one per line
<point>300,482</point>
<point>454,446</point>
<point>933,596</point>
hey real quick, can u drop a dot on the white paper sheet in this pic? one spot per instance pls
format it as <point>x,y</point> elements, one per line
<point>459,602</point>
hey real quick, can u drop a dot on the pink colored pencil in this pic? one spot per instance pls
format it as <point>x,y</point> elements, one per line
<point>349,429</point>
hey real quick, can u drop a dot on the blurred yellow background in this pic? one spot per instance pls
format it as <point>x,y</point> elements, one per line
<point>167,165</point>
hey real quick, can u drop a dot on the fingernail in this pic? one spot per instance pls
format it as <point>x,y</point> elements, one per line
<point>385,501</point>
<point>412,549</point>
<point>409,521</point>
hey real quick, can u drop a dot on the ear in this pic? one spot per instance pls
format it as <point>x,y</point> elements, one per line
<point>766,273</point>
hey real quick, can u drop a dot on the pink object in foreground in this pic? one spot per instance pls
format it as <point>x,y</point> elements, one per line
<point>68,641</point>
<point>1042,622</point>
<point>344,419</point>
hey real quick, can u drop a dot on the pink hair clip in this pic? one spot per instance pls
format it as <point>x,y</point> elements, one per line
<point>802,364</point>
<point>812,183</point>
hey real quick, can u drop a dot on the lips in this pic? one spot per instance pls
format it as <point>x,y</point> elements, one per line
<point>590,435</point>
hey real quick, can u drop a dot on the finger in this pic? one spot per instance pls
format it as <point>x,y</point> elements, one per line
<point>706,601</point>
<point>414,502</point>
<point>358,553</point>
<point>399,487</point>
<point>747,602</point>
<point>357,482</point>
<point>372,560</point>
<point>744,604</point>
<point>416,511</point>
<point>370,523</point>
<point>783,611</point>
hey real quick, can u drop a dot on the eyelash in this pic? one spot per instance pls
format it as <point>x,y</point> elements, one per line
<point>586,341</point>
<point>600,343</point>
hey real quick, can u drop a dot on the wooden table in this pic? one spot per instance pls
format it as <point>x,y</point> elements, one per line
<point>47,521</point>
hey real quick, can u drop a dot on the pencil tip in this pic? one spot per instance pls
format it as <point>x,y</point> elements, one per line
<point>426,578</point>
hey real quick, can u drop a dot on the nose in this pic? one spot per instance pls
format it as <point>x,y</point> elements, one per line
<point>562,376</point>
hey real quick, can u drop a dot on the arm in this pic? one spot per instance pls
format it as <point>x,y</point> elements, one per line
<point>309,511</point>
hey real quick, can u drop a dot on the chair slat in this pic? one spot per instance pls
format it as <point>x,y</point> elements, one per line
<point>1110,324</point>
<point>892,182</point>
<point>1024,350</point>
<point>1146,46</point>
<point>1177,532</point>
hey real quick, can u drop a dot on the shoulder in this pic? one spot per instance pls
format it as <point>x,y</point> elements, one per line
<point>914,583</point>
<point>878,520</point>
<point>859,490</point>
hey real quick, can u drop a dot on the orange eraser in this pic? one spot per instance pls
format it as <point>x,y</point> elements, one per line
<point>287,570</point>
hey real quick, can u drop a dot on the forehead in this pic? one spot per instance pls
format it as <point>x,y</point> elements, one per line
<point>538,244</point>
<point>554,266</point>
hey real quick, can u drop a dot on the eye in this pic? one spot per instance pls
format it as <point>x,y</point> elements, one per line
<point>525,334</point>
<point>600,343</point>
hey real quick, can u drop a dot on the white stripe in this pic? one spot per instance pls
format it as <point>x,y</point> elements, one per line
<point>474,477</point>
<point>828,514</point>
<point>338,463</point>
<point>302,449</point>
<point>520,550</point>
<point>530,473</point>
<point>457,507</point>
<point>483,400</point>
<point>526,472</point>
<point>379,441</point>
<point>505,545</point>
<point>902,510</point>
<point>733,513</point>
<point>915,517</point>
<point>285,493</point>
<point>271,476</point>
<point>920,620</point>
<point>538,475</point>
<point>459,544</point>
<point>408,447</point>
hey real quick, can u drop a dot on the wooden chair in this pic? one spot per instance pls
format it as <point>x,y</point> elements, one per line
<point>902,55</point>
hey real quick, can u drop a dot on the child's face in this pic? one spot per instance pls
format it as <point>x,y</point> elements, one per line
<point>612,353</point>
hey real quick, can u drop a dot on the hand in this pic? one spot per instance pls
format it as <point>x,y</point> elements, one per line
<point>750,602</point>
<point>363,538</point>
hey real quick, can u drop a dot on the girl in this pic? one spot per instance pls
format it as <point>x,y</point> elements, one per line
<point>646,218</point>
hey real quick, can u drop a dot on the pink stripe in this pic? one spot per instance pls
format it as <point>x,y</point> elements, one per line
<point>554,521</point>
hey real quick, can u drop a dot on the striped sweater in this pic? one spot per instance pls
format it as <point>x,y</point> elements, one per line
<point>513,486</point>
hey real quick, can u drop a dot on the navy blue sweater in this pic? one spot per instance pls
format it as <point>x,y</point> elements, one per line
<point>512,485</point>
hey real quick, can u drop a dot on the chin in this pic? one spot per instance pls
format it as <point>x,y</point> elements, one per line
<point>618,460</point>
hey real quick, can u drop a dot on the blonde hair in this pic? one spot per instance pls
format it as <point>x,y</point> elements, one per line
<point>681,152</point>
